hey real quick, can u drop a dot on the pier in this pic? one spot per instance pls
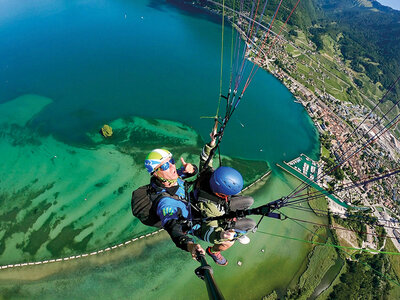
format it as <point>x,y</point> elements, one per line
<point>307,171</point>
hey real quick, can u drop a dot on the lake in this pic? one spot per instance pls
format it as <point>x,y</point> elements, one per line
<point>87,63</point>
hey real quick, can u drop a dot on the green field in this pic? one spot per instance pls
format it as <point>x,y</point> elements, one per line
<point>302,68</point>
<point>294,52</point>
<point>395,264</point>
<point>334,83</point>
<point>325,294</point>
<point>321,259</point>
<point>319,205</point>
<point>325,152</point>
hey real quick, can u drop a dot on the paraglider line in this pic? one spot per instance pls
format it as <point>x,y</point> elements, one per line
<point>373,109</point>
<point>352,255</point>
<point>329,245</point>
<point>370,141</point>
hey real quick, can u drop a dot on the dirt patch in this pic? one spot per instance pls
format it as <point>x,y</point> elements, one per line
<point>346,237</point>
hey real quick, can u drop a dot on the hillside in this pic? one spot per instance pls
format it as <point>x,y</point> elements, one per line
<point>370,39</point>
<point>346,49</point>
<point>366,33</point>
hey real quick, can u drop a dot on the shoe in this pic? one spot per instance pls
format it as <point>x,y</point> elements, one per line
<point>217,257</point>
<point>244,240</point>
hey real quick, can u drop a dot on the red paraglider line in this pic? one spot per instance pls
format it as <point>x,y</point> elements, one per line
<point>265,39</point>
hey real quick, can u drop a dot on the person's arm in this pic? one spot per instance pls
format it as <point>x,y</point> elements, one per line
<point>181,240</point>
<point>178,236</point>
<point>205,153</point>
<point>170,211</point>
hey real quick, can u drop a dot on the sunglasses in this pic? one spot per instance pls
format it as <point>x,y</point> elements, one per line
<point>165,166</point>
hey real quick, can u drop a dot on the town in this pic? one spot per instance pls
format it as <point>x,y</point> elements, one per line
<point>359,138</point>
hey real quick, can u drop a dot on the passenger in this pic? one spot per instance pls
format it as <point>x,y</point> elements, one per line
<point>215,194</point>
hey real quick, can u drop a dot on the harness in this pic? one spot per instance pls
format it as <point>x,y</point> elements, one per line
<point>202,196</point>
<point>146,198</point>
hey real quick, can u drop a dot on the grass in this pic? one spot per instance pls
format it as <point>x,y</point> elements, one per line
<point>318,205</point>
<point>329,45</point>
<point>394,259</point>
<point>333,68</point>
<point>395,265</point>
<point>325,152</point>
<point>337,94</point>
<point>303,68</point>
<point>302,41</point>
<point>322,258</point>
<point>333,81</point>
<point>292,50</point>
<point>325,294</point>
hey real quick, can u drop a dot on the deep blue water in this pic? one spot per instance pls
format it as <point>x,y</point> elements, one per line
<point>102,60</point>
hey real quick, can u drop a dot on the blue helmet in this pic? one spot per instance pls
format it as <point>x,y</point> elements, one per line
<point>227,181</point>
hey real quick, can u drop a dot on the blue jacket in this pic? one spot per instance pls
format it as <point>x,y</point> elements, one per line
<point>172,209</point>
<point>169,208</point>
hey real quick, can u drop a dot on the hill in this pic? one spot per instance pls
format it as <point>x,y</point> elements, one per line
<point>348,49</point>
<point>370,36</point>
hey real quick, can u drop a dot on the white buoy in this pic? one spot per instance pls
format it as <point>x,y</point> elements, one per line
<point>239,263</point>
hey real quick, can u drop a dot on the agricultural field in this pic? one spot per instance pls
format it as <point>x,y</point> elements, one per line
<point>395,264</point>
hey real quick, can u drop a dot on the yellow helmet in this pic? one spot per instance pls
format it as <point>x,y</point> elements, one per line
<point>155,158</point>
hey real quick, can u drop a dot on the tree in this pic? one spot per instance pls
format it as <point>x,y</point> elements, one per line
<point>339,174</point>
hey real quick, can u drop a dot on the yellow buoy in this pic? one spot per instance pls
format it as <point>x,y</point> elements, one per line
<point>106,131</point>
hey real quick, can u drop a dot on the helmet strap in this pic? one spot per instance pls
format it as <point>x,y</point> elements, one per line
<point>170,181</point>
<point>223,196</point>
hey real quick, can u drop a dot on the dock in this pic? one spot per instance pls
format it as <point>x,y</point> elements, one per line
<point>307,171</point>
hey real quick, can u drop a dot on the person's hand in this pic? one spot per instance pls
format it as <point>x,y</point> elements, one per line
<point>194,248</point>
<point>212,136</point>
<point>188,168</point>
<point>228,234</point>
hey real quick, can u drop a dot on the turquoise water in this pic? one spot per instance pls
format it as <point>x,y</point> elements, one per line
<point>69,67</point>
<point>102,60</point>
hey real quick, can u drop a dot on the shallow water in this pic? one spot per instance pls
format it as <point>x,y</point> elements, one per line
<point>150,271</point>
